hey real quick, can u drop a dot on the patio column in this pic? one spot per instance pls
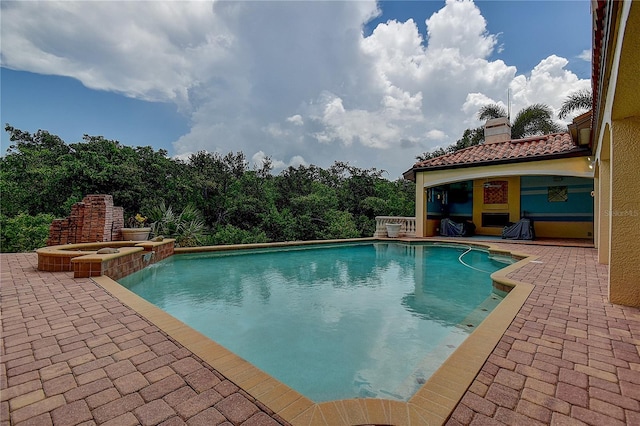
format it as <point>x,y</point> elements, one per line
<point>604,211</point>
<point>624,268</point>
<point>420,204</point>
<point>596,206</point>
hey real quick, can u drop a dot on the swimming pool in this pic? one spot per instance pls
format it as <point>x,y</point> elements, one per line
<point>356,320</point>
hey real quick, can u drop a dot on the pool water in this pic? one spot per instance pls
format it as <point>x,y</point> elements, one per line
<point>332,322</point>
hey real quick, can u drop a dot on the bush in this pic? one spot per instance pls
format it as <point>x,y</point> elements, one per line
<point>341,225</point>
<point>187,227</point>
<point>230,234</point>
<point>24,233</point>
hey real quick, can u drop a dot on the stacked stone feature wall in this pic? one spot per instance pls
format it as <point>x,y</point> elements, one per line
<point>93,219</point>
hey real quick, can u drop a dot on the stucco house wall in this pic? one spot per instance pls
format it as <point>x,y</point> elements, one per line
<point>616,143</point>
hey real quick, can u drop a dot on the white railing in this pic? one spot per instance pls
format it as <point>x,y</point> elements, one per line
<point>408,228</point>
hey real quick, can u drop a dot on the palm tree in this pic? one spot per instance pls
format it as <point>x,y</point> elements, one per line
<point>580,99</point>
<point>530,121</point>
<point>490,111</point>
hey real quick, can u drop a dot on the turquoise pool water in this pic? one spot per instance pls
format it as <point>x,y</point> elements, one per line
<point>332,322</point>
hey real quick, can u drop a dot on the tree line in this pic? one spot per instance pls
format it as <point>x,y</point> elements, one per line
<point>208,199</point>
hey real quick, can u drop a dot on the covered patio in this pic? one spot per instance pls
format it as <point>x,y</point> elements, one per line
<point>547,179</point>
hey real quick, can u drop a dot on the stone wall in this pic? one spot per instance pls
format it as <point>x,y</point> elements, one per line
<point>92,220</point>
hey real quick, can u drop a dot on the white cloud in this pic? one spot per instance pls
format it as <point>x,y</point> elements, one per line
<point>183,156</point>
<point>475,101</point>
<point>297,160</point>
<point>585,55</point>
<point>549,83</point>
<point>288,80</point>
<point>460,26</point>
<point>296,120</point>
<point>436,135</point>
<point>258,159</point>
<point>142,50</point>
<point>275,130</point>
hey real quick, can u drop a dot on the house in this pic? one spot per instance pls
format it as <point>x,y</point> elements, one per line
<point>553,178</point>
<point>615,140</point>
<point>548,179</point>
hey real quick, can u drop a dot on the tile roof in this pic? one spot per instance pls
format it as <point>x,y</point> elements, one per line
<point>528,149</point>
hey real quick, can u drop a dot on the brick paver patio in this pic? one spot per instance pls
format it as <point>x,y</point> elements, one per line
<point>74,354</point>
<point>569,357</point>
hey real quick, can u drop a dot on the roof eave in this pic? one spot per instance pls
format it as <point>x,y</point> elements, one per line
<point>410,175</point>
<point>578,152</point>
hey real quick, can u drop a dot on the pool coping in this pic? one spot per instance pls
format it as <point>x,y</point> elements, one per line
<point>433,403</point>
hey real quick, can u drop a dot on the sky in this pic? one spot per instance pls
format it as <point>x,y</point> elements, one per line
<point>301,82</point>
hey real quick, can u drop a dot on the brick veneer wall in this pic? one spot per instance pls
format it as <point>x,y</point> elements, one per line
<point>126,263</point>
<point>64,231</point>
<point>118,223</point>
<point>121,267</point>
<point>93,219</point>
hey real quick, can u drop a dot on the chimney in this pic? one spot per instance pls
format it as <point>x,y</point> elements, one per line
<point>497,130</point>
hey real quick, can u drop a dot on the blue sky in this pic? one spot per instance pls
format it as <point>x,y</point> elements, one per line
<point>300,82</point>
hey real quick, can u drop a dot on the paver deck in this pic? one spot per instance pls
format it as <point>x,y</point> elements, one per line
<point>74,354</point>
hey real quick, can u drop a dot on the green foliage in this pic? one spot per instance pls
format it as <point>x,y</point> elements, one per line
<point>62,174</point>
<point>32,165</point>
<point>340,225</point>
<point>187,227</point>
<point>432,154</point>
<point>23,233</point>
<point>280,225</point>
<point>470,137</point>
<point>209,199</point>
<point>229,234</point>
<point>579,100</point>
<point>391,199</point>
<point>487,112</point>
<point>534,120</point>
